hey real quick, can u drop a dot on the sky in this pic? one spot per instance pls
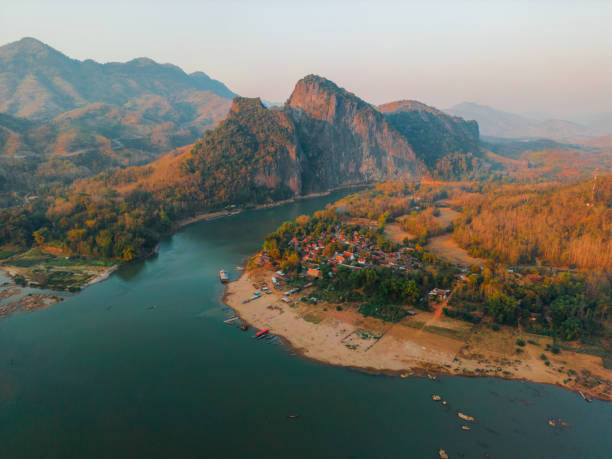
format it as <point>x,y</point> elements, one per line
<point>551,57</point>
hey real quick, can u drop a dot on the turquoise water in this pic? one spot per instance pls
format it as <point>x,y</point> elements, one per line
<point>142,366</point>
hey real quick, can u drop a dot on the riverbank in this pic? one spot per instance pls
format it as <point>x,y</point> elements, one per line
<point>224,213</point>
<point>420,344</point>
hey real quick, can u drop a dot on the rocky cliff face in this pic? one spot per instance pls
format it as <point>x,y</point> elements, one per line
<point>323,137</point>
<point>344,140</point>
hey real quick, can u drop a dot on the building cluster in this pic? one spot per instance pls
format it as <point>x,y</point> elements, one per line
<point>351,249</point>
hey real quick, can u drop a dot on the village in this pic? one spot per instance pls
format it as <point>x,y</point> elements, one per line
<point>347,247</point>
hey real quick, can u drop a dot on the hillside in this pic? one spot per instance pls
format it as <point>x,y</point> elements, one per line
<point>88,117</point>
<point>448,145</point>
<point>39,82</point>
<point>323,137</point>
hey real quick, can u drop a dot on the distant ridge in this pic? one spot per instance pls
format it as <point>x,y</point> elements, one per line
<point>497,123</point>
<point>87,117</point>
<point>40,82</point>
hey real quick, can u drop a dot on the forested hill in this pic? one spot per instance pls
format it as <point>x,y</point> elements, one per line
<point>569,225</point>
<point>86,117</point>
<point>324,137</point>
<point>39,82</point>
<point>448,145</point>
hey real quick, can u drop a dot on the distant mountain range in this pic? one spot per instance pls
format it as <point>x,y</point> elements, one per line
<point>39,82</point>
<point>497,123</point>
<point>64,118</point>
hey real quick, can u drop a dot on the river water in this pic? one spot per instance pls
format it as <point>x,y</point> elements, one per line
<point>142,365</point>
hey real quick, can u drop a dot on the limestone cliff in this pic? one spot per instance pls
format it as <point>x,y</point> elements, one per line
<point>344,140</point>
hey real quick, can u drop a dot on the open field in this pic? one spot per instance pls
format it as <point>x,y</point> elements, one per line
<point>447,215</point>
<point>394,232</point>
<point>445,247</point>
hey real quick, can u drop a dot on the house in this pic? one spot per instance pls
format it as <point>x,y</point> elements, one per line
<point>313,272</point>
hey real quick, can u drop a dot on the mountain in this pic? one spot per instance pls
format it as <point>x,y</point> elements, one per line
<point>432,133</point>
<point>85,117</point>
<point>345,140</point>
<point>39,82</point>
<point>496,123</point>
<point>324,137</point>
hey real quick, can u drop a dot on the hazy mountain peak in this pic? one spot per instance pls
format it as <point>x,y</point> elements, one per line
<point>498,123</point>
<point>39,82</point>
<point>28,48</point>
<point>143,61</point>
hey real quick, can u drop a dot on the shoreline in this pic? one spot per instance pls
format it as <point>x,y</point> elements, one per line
<point>205,216</point>
<point>331,337</point>
<point>102,276</point>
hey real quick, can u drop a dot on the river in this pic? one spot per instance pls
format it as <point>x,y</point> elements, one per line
<point>141,365</point>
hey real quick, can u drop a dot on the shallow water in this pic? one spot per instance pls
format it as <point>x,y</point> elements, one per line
<point>142,365</point>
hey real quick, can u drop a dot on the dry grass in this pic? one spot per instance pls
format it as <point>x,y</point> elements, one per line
<point>445,247</point>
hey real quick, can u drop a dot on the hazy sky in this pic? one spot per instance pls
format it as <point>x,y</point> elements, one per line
<point>541,56</point>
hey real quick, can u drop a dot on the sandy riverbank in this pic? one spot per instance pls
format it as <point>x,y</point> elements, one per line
<point>102,276</point>
<point>425,343</point>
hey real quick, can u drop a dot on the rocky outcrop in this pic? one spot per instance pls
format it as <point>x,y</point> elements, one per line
<point>326,137</point>
<point>345,140</point>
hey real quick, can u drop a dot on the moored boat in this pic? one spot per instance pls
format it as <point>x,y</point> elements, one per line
<point>223,277</point>
<point>261,333</point>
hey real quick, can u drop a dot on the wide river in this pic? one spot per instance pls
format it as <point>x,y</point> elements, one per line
<point>142,365</point>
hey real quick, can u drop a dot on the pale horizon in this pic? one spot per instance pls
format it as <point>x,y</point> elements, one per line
<point>553,57</point>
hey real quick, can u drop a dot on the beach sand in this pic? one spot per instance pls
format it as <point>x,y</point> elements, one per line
<point>420,344</point>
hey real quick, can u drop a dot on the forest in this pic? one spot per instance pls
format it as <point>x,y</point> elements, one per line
<point>560,225</point>
<point>93,219</point>
<point>567,304</point>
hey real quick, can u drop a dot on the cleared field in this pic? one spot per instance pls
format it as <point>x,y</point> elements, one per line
<point>394,232</point>
<point>447,215</point>
<point>445,247</point>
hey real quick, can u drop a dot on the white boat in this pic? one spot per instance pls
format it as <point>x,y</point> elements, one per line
<point>223,277</point>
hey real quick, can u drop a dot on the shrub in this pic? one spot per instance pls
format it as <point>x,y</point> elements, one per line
<point>520,342</point>
<point>543,357</point>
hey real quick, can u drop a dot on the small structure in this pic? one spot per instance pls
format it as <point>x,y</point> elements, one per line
<point>314,272</point>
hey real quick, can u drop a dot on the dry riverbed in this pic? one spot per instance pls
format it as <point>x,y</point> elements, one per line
<point>425,343</point>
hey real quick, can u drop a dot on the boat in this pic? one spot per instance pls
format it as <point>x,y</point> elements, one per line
<point>465,417</point>
<point>261,333</point>
<point>436,398</point>
<point>223,277</point>
<point>585,396</point>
